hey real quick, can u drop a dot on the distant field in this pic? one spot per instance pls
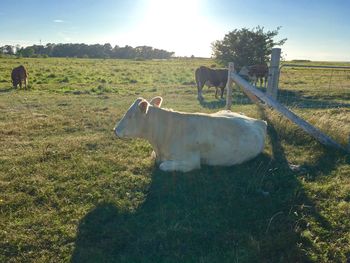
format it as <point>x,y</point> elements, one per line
<point>71,191</point>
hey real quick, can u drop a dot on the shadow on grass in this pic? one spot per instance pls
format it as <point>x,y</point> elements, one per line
<point>11,89</point>
<point>245,213</point>
<point>324,100</point>
<point>7,90</point>
<point>214,104</point>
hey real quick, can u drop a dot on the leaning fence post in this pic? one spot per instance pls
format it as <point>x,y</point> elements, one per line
<point>272,83</point>
<point>231,68</point>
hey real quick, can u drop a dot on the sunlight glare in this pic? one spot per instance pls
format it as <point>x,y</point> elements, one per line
<point>177,25</point>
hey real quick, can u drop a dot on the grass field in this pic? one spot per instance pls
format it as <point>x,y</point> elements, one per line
<point>72,192</point>
<point>320,95</point>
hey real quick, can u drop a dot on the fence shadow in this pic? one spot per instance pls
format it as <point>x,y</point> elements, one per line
<point>325,164</point>
<point>298,99</point>
<point>243,213</point>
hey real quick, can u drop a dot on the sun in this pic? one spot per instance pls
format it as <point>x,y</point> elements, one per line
<point>174,24</point>
<point>171,17</point>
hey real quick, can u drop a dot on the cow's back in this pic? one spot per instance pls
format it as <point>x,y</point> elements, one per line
<point>226,138</point>
<point>218,76</point>
<point>259,70</point>
<point>214,76</point>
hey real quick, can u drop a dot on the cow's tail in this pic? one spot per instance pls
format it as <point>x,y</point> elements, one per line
<point>262,125</point>
<point>25,78</point>
<point>197,73</point>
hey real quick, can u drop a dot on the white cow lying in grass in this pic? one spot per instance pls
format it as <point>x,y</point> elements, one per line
<point>183,141</point>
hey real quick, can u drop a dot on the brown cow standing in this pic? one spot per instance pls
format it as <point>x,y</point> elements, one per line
<point>255,73</point>
<point>212,78</point>
<point>18,75</point>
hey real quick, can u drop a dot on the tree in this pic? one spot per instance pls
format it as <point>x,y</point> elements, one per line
<point>28,52</point>
<point>9,50</point>
<point>246,47</point>
<point>107,50</point>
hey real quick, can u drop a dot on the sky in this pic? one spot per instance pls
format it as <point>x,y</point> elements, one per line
<point>316,30</point>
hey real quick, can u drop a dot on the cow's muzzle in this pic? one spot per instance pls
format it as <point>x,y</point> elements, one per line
<point>116,132</point>
<point>120,137</point>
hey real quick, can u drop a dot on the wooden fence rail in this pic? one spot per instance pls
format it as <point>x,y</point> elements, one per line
<point>256,96</point>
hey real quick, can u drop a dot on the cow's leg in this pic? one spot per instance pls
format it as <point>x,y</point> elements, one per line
<point>20,84</point>
<point>222,92</point>
<point>200,88</point>
<point>253,80</point>
<point>154,155</point>
<point>186,165</point>
<point>216,92</point>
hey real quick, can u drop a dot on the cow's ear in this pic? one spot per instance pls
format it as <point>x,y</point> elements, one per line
<point>157,101</point>
<point>143,106</point>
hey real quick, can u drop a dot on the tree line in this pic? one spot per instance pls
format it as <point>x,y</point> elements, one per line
<point>243,46</point>
<point>87,51</point>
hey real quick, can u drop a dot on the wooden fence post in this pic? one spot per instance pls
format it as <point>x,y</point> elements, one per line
<point>272,84</point>
<point>231,69</point>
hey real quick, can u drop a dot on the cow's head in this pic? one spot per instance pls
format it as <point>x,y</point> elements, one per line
<point>244,71</point>
<point>134,121</point>
<point>15,82</point>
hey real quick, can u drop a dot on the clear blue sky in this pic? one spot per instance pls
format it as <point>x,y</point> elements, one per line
<point>316,30</point>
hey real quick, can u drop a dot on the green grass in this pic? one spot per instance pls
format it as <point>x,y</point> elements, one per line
<point>71,191</point>
<point>320,95</point>
<point>325,85</point>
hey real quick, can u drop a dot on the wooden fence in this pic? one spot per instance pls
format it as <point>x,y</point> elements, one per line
<point>269,99</point>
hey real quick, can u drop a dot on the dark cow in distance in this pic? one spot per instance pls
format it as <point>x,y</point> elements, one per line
<point>18,75</point>
<point>255,73</point>
<point>212,78</point>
